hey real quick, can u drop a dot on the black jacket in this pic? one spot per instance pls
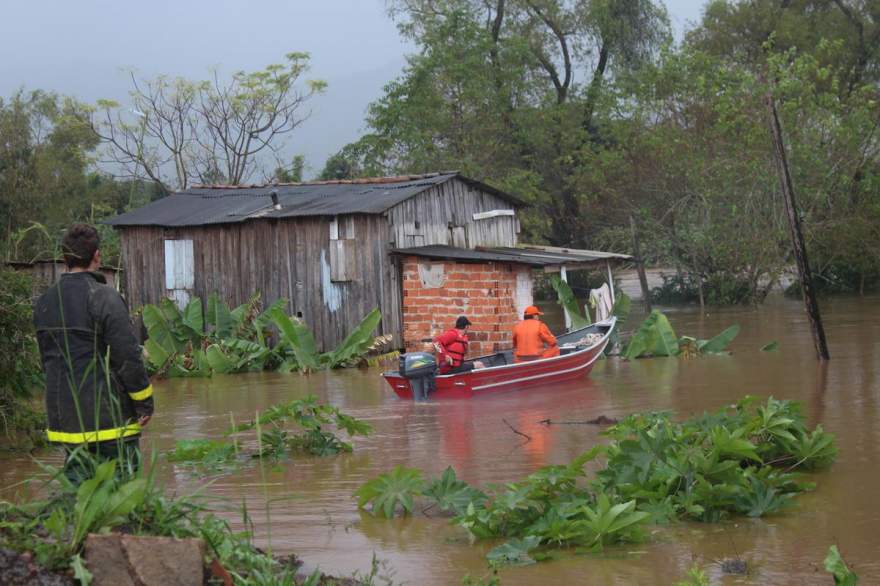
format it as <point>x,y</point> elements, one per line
<point>96,384</point>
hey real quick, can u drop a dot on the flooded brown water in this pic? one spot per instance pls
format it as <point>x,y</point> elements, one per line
<point>312,512</point>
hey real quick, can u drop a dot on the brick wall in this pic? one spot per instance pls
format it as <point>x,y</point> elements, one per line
<point>484,292</point>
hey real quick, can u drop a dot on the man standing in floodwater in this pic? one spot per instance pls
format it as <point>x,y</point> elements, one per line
<point>98,394</point>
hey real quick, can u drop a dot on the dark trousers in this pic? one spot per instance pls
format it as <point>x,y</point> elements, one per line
<point>80,461</point>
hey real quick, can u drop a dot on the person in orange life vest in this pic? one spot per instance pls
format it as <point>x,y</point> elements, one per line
<point>451,347</point>
<point>532,338</point>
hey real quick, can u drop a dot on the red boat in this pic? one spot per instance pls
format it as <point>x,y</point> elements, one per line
<point>579,350</point>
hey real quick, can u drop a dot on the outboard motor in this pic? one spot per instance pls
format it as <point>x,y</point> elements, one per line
<point>419,368</point>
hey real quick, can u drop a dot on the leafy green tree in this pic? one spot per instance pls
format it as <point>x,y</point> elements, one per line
<point>293,173</point>
<point>45,152</point>
<point>737,30</point>
<point>507,91</point>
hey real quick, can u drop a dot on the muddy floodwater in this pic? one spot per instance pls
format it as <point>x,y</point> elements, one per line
<point>311,510</point>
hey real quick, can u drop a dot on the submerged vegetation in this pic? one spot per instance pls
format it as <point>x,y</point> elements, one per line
<point>316,428</point>
<point>194,342</point>
<point>741,460</point>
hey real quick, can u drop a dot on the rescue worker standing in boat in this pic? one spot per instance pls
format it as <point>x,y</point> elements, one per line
<point>451,347</point>
<point>532,338</point>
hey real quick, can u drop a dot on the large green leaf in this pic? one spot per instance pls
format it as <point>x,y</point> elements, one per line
<point>666,342</point>
<point>452,494</point>
<point>296,335</point>
<point>156,354</point>
<point>391,490</point>
<point>123,501</point>
<point>357,342</point>
<point>218,361</point>
<point>92,497</point>
<point>621,309</point>
<point>160,329</point>
<point>655,336</point>
<point>720,342</point>
<point>644,339</point>
<point>219,317</point>
<point>514,552</point>
<point>264,320</point>
<point>835,565</point>
<point>192,316</point>
<point>569,302</point>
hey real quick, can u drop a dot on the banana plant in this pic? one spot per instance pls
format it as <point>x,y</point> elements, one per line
<point>569,303</point>
<point>221,340</point>
<point>655,337</point>
<point>299,340</point>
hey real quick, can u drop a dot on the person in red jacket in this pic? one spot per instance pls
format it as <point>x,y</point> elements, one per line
<point>451,347</point>
<point>532,338</point>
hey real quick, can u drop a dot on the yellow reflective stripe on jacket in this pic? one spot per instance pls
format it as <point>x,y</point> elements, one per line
<point>142,395</point>
<point>93,436</point>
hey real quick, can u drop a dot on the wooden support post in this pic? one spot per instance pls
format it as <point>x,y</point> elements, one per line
<point>640,266</point>
<point>563,274</point>
<point>610,280</point>
<point>797,237</point>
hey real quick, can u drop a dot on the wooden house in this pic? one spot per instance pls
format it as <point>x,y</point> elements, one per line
<point>414,246</point>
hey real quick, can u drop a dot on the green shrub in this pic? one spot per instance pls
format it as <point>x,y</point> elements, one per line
<point>21,374</point>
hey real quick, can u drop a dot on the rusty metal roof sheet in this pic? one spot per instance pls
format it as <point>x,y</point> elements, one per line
<point>223,204</point>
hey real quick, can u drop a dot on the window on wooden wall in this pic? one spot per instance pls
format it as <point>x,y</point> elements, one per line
<point>179,271</point>
<point>344,265</point>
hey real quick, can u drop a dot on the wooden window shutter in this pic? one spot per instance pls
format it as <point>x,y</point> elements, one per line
<point>343,263</point>
<point>179,270</point>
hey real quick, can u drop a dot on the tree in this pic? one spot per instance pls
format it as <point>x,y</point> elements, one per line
<point>291,174</point>
<point>342,165</point>
<point>46,148</point>
<point>507,90</point>
<point>178,132</point>
<point>738,31</point>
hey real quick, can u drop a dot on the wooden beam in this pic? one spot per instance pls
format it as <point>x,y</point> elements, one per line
<point>610,281</point>
<point>563,274</point>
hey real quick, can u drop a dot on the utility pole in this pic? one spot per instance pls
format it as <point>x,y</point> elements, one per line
<point>797,237</point>
<point>640,265</point>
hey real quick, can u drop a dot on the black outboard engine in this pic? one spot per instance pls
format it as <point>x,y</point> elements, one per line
<point>419,368</point>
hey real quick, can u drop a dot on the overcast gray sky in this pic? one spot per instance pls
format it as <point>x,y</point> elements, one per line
<point>84,47</point>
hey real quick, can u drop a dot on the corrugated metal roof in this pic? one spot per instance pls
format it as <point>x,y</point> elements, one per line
<point>528,255</point>
<point>215,204</point>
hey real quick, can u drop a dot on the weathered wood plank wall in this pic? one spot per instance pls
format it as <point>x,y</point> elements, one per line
<point>444,213</point>
<point>280,258</point>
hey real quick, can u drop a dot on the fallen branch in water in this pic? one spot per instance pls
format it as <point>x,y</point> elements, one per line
<point>516,431</point>
<point>601,420</point>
